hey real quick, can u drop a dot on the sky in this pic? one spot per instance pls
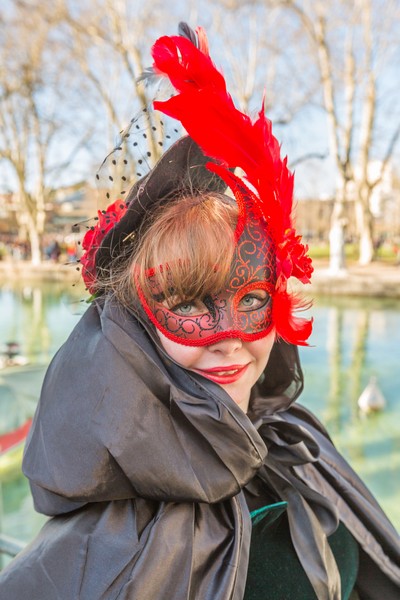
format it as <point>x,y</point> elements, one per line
<point>306,132</point>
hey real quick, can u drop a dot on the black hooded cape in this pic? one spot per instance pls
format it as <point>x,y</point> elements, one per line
<point>142,466</point>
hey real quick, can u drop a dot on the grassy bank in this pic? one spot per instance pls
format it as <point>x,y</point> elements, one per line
<point>385,253</point>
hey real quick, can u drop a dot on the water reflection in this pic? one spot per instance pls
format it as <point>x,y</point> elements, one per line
<point>355,340</point>
<point>345,378</point>
<point>352,340</point>
<point>358,362</point>
<point>334,346</point>
<point>38,317</point>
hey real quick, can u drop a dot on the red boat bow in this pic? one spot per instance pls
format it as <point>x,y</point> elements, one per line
<point>14,438</point>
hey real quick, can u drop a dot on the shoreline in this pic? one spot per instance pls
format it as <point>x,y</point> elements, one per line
<point>377,280</point>
<point>47,271</point>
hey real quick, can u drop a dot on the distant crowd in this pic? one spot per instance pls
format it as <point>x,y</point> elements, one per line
<point>55,248</point>
<point>59,248</point>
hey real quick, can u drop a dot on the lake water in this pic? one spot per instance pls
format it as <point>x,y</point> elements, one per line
<point>353,340</point>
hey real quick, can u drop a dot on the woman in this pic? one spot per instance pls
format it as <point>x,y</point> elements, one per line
<point>166,445</point>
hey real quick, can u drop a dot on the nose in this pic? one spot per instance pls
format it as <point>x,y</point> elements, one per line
<point>226,346</point>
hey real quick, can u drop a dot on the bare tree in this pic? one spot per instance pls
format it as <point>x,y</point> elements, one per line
<point>351,43</point>
<point>68,84</point>
<point>32,130</point>
<point>256,58</point>
<point>90,55</point>
<point>110,47</point>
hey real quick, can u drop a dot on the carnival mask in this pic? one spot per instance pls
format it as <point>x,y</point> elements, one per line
<point>242,310</point>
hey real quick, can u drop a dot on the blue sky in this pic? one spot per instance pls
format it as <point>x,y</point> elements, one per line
<point>293,75</point>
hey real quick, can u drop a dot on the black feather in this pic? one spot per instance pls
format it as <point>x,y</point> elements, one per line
<point>187,32</point>
<point>149,76</point>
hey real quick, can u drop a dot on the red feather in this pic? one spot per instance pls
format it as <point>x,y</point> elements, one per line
<point>294,330</point>
<point>207,112</point>
<point>186,66</point>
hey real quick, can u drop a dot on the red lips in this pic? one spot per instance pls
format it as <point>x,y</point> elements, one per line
<point>223,375</point>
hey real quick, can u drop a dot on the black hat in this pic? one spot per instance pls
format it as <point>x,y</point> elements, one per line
<point>180,171</point>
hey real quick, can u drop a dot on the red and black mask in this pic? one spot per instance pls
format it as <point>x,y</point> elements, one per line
<point>243,309</point>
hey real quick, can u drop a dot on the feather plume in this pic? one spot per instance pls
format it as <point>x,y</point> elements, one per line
<point>206,110</point>
<point>187,32</point>
<point>208,114</point>
<point>292,329</point>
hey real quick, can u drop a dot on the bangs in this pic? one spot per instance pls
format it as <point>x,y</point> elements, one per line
<point>187,252</point>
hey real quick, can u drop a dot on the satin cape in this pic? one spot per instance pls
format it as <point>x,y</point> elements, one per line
<point>142,464</point>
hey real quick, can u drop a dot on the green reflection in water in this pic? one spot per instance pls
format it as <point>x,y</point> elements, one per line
<point>355,339</point>
<point>39,318</point>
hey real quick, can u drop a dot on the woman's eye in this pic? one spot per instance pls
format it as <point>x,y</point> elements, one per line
<point>253,301</point>
<point>184,309</point>
<point>188,308</point>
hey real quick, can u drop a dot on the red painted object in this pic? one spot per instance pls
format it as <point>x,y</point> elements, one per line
<point>14,438</point>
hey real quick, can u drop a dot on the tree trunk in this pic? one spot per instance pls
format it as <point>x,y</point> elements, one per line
<point>364,221</point>
<point>337,261</point>
<point>366,244</point>
<point>36,255</point>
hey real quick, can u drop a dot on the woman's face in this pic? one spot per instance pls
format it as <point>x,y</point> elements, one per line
<point>234,364</point>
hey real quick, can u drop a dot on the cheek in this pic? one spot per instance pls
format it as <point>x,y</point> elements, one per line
<point>183,355</point>
<point>261,349</point>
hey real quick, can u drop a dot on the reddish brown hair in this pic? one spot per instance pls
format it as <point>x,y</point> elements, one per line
<point>192,240</point>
